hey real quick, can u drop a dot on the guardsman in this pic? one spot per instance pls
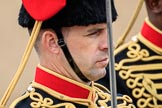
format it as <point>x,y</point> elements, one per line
<point>72,50</point>
<point>139,62</point>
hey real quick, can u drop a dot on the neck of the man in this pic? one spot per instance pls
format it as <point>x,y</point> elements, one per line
<point>64,71</point>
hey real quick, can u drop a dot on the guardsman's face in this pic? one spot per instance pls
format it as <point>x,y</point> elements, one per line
<point>88,47</point>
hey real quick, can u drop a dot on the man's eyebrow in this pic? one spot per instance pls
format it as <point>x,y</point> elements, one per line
<point>95,29</point>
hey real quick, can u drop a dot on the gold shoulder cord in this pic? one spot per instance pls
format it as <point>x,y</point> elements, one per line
<point>138,76</point>
<point>22,65</point>
<point>121,40</point>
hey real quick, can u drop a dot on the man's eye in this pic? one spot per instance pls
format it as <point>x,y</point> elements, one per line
<point>94,33</point>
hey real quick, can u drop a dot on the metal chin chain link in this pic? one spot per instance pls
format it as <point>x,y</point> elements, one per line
<point>61,42</point>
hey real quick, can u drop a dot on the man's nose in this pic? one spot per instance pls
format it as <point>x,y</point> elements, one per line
<point>104,41</point>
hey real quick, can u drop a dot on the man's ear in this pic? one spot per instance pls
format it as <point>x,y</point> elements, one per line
<point>49,41</point>
<point>154,5</point>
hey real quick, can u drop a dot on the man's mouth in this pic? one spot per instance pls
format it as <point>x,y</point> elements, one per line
<point>102,62</point>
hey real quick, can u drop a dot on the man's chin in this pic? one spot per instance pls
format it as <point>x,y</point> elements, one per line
<point>104,73</point>
<point>101,75</point>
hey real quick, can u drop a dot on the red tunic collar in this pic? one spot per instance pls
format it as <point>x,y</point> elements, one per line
<point>152,34</point>
<point>62,84</point>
